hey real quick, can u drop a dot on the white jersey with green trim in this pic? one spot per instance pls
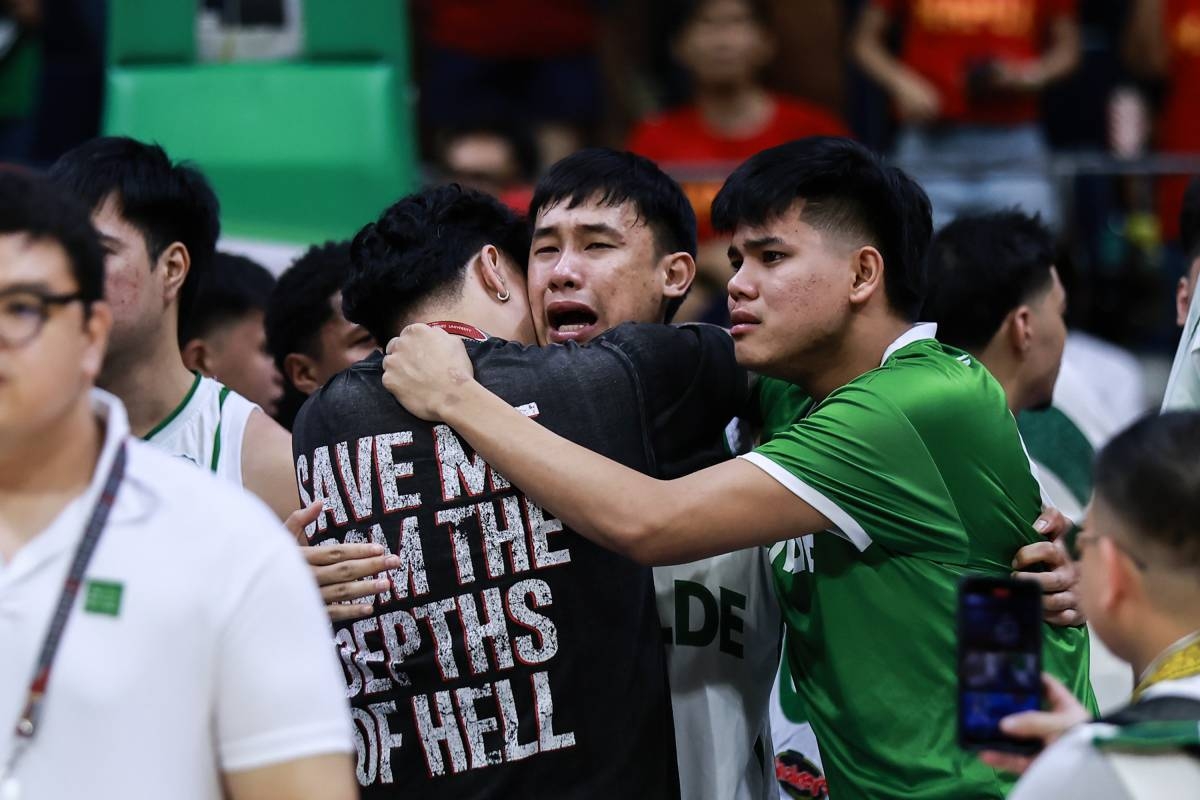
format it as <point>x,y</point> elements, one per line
<point>206,428</point>
<point>722,627</point>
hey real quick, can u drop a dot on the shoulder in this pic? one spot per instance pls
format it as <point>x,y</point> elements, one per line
<point>191,505</point>
<point>652,137</point>
<point>1070,769</point>
<point>807,119</point>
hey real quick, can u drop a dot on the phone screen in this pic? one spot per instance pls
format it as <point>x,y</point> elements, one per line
<point>999,660</point>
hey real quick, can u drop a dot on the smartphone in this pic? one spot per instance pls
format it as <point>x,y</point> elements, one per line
<point>999,660</point>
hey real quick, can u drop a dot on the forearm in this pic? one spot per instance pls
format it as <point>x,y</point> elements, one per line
<point>871,53</point>
<point>614,506</point>
<point>1062,57</point>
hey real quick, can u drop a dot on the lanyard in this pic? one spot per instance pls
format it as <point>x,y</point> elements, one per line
<point>28,721</point>
<point>1181,660</point>
<point>460,329</point>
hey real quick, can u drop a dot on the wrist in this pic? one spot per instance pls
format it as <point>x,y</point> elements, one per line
<point>463,402</point>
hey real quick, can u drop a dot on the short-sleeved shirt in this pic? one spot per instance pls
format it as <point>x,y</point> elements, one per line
<point>945,39</point>
<point>681,137</point>
<point>198,643</point>
<point>510,657</point>
<point>919,466</point>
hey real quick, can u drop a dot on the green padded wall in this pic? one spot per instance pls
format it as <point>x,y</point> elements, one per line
<point>151,31</point>
<point>297,152</point>
<point>363,29</point>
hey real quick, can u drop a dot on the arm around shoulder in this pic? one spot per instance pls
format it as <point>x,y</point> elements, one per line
<point>267,469</point>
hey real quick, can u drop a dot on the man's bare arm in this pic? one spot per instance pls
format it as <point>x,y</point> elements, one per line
<point>720,509</point>
<point>324,777</point>
<point>267,469</point>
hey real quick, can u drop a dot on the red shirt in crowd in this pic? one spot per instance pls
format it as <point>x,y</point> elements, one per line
<point>511,29</point>
<point>1179,122</point>
<point>945,39</point>
<point>682,137</point>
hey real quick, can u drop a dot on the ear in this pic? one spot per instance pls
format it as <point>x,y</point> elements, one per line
<point>301,371</point>
<point>1183,300</point>
<point>197,357</point>
<point>492,273</point>
<point>1122,580</point>
<point>175,262</point>
<point>1020,329</point>
<point>96,328</point>
<point>867,266</point>
<point>678,270</point>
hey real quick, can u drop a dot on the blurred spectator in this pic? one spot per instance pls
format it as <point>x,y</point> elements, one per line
<point>527,60</point>
<point>307,333</point>
<point>498,159</point>
<point>724,46</point>
<point>223,335</point>
<point>1183,387</point>
<point>965,90</point>
<point>1163,42</point>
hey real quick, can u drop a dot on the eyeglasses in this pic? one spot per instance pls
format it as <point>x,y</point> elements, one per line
<point>1075,537</point>
<point>23,312</point>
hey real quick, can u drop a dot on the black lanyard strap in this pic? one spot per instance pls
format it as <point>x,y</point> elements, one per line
<point>27,723</point>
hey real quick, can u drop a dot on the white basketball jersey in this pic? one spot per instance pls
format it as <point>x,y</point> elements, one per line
<point>207,429</point>
<point>722,626</point>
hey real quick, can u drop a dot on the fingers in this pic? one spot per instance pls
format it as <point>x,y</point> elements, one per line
<point>353,590</point>
<point>1060,699</point>
<point>1052,524</point>
<point>1037,553</point>
<point>301,518</point>
<point>335,554</point>
<point>355,569</point>
<point>340,612</point>
<point>1071,618</point>
<point>1008,762</point>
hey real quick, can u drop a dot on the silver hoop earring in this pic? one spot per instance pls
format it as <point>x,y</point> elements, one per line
<point>503,296</point>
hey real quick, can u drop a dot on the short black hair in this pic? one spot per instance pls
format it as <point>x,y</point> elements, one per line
<point>846,189</point>
<point>300,302</point>
<point>32,206</point>
<point>1189,220</point>
<point>981,267</point>
<point>614,177</point>
<point>688,10</point>
<point>1149,475</point>
<point>300,305</point>
<point>419,248</point>
<point>231,289</point>
<point>167,202</point>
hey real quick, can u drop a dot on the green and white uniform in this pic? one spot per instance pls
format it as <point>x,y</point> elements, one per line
<point>206,428</point>
<point>919,466</point>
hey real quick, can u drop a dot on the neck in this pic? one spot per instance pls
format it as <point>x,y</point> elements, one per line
<point>1154,637</point>
<point>1006,374</point>
<point>40,475</point>
<point>859,352</point>
<point>736,109</point>
<point>151,383</point>
<point>489,317</point>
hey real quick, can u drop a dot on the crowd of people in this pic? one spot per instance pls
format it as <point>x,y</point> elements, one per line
<point>562,563</point>
<point>484,517</point>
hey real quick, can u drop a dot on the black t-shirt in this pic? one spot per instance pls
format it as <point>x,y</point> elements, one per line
<point>511,658</point>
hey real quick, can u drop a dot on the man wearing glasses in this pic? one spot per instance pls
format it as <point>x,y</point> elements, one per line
<point>1139,559</point>
<point>123,674</point>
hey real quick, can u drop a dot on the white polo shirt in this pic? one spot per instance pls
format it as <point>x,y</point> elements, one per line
<point>198,643</point>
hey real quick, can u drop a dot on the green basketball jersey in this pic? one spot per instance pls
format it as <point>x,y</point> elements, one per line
<point>919,466</point>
